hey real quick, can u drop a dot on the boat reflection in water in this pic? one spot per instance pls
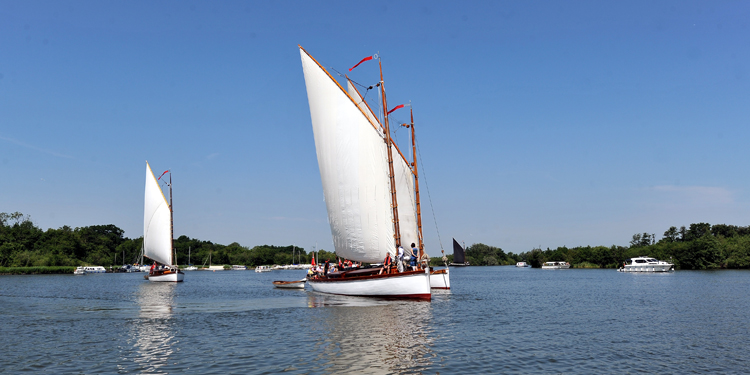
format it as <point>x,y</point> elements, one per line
<point>371,336</point>
<point>154,333</point>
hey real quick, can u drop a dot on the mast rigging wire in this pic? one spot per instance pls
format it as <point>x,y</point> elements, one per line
<point>427,187</point>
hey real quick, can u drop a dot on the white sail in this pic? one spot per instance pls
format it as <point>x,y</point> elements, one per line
<point>405,194</point>
<point>352,158</point>
<point>406,198</point>
<point>157,233</point>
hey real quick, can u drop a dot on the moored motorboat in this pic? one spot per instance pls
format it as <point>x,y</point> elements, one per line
<point>555,265</point>
<point>79,271</point>
<point>263,269</point>
<point>298,284</point>
<point>646,264</point>
<point>440,278</point>
<point>93,269</point>
<point>521,264</point>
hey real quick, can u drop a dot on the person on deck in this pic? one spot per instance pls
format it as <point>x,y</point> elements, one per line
<point>414,256</point>
<point>400,259</point>
<point>386,264</point>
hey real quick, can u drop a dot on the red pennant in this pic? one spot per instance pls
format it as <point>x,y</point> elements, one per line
<point>395,108</point>
<point>165,172</point>
<point>368,58</point>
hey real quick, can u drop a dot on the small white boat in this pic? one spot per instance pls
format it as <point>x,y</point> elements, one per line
<point>79,271</point>
<point>129,268</point>
<point>167,274</point>
<point>555,265</point>
<point>521,264</point>
<point>440,279</point>
<point>299,284</point>
<point>90,269</point>
<point>190,266</point>
<point>237,267</point>
<point>646,264</point>
<point>263,269</point>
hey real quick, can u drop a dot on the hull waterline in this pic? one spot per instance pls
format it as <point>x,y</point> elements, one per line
<point>167,277</point>
<point>412,284</point>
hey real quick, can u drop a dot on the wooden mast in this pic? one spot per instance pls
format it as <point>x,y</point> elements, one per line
<point>171,221</point>
<point>391,175</point>
<point>416,185</point>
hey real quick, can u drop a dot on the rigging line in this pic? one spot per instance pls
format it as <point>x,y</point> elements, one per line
<point>429,197</point>
<point>367,88</point>
<point>353,81</point>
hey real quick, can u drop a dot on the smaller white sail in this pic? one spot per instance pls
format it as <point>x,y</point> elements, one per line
<point>157,231</point>
<point>406,199</point>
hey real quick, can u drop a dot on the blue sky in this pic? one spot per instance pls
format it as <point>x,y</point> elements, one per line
<point>539,123</point>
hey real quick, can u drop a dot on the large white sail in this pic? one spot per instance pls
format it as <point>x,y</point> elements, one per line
<point>353,163</point>
<point>157,232</point>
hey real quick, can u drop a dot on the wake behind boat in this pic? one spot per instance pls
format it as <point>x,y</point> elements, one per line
<point>158,238</point>
<point>364,176</point>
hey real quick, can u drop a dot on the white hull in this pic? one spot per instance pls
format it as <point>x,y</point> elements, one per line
<point>410,285</point>
<point>170,277</point>
<point>555,266</point>
<point>648,268</point>
<point>440,280</point>
<point>290,284</point>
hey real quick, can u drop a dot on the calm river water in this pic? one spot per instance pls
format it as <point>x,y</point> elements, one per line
<point>494,320</point>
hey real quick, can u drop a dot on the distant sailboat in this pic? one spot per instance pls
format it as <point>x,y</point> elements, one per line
<point>158,241</point>
<point>355,157</point>
<point>459,259</point>
<point>190,266</point>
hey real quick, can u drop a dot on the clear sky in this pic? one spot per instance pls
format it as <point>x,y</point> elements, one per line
<point>540,123</point>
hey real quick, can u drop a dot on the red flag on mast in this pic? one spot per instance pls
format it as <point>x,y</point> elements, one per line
<point>368,58</point>
<point>395,108</point>
<point>162,175</point>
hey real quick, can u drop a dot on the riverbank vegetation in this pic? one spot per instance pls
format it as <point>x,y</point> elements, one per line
<point>22,244</point>
<point>26,248</point>
<point>700,246</point>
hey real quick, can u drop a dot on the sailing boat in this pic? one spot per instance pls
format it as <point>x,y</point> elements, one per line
<point>190,266</point>
<point>407,191</point>
<point>158,241</point>
<point>355,157</point>
<point>459,259</point>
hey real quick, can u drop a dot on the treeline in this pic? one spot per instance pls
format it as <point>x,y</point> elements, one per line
<point>22,244</point>
<point>700,246</point>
